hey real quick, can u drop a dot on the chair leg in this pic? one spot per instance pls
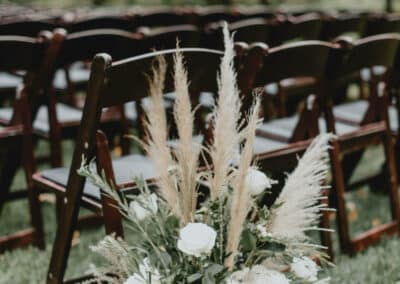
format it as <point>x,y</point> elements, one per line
<point>392,173</point>
<point>59,204</point>
<point>337,194</point>
<point>56,153</point>
<point>8,171</point>
<point>36,217</point>
<point>62,243</point>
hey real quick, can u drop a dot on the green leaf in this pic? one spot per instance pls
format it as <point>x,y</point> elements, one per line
<point>194,277</point>
<point>248,241</point>
<point>214,269</point>
<point>273,246</point>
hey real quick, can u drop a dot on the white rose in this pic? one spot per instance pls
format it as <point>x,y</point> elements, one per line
<point>196,239</point>
<point>140,212</point>
<point>147,275</point>
<point>305,268</point>
<point>256,181</point>
<point>258,274</point>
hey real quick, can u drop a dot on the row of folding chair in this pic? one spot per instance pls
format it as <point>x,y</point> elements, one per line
<point>330,66</point>
<point>327,63</point>
<point>274,30</point>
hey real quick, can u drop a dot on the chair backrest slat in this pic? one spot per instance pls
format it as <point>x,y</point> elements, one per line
<point>342,24</point>
<point>101,22</point>
<point>126,80</point>
<point>166,37</point>
<point>379,50</point>
<point>304,27</point>
<point>302,59</point>
<point>20,53</point>
<point>26,28</point>
<point>82,46</point>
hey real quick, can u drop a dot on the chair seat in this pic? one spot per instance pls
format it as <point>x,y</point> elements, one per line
<point>65,114</point>
<point>9,81</point>
<point>284,127</point>
<point>354,112</point>
<point>125,168</point>
<point>289,84</point>
<point>174,143</point>
<point>78,73</point>
<point>264,145</point>
<point>131,112</point>
<point>206,99</point>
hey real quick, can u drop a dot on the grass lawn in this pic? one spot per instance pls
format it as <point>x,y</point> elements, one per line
<point>379,264</point>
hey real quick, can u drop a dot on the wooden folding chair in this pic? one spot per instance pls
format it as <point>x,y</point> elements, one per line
<point>166,37</point>
<point>110,85</point>
<point>349,24</point>
<point>373,127</point>
<point>60,120</point>
<point>381,24</point>
<point>9,81</point>
<point>280,141</point>
<point>247,31</point>
<point>251,30</point>
<point>29,28</point>
<point>35,57</point>
<point>304,27</point>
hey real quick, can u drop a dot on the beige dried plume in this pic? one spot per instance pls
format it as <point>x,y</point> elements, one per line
<point>157,131</point>
<point>241,201</point>
<point>298,207</point>
<point>226,121</point>
<point>187,152</point>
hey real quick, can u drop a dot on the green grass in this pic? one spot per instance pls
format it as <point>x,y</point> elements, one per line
<point>378,264</point>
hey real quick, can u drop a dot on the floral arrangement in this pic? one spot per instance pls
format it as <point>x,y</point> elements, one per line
<point>228,238</point>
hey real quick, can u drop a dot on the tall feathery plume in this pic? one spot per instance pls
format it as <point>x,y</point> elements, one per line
<point>187,152</point>
<point>298,208</point>
<point>226,120</point>
<point>241,200</point>
<point>157,132</point>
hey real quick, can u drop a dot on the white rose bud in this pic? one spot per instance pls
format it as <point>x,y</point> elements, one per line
<point>256,181</point>
<point>141,212</point>
<point>305,268</point>
<point>196,239</point>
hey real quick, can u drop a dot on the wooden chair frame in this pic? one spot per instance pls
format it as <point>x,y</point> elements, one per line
<point>375,128</point>
<point>36,56</point>
<point>266,64</point>
<point>103,93</point>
